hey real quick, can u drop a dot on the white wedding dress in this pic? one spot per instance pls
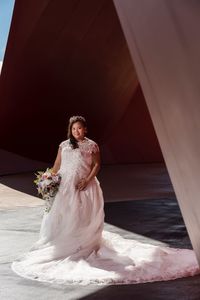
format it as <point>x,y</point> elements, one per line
<point>73,248</point>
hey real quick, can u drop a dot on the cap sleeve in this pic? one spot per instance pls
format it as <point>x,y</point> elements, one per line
<point>64,144</point>
<point>94,148</point>
<point>61,145</point>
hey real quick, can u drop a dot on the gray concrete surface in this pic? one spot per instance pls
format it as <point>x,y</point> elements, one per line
<point>154,220</point>
<point>19,229</point>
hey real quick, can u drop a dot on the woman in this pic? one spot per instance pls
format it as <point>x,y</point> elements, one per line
<point>73,248</point>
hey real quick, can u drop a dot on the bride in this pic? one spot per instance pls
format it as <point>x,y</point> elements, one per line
<point>73,247</point>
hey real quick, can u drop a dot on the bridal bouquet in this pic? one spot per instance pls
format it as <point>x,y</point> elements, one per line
<point>47,186</point>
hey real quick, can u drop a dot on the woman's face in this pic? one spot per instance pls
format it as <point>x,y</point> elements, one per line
<point>78,131</point>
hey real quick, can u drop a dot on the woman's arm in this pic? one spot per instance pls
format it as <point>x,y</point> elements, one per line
<point>57,162</point>
<point>95,169</point>
<point>95,166</point>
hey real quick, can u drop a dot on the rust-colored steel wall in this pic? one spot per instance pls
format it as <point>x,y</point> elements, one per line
<point>71,58</point>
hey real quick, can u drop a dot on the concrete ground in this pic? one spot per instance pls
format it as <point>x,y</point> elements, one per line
<point>139,204</point>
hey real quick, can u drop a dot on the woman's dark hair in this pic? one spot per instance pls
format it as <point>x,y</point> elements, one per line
<point>72,120</point>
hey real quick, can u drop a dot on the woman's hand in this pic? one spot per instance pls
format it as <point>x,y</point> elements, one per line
<point>82,184</point>
<point>53,173</point>
<point>95,169</point>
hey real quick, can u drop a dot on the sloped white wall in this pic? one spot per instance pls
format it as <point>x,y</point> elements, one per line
<point>163,38</point>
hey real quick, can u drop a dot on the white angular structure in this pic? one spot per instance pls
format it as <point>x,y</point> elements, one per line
<point>163,38</point>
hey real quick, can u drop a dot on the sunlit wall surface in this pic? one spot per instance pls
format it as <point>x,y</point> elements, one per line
<point>6,10</point>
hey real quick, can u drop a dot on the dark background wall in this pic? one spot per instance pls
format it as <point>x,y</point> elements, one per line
<point>70,57</point>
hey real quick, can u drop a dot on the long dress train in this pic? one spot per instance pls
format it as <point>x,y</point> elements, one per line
<point>73,248</point>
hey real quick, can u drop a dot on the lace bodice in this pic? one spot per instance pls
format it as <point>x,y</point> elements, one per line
<point>76,163</point>
<point>87,146</point>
